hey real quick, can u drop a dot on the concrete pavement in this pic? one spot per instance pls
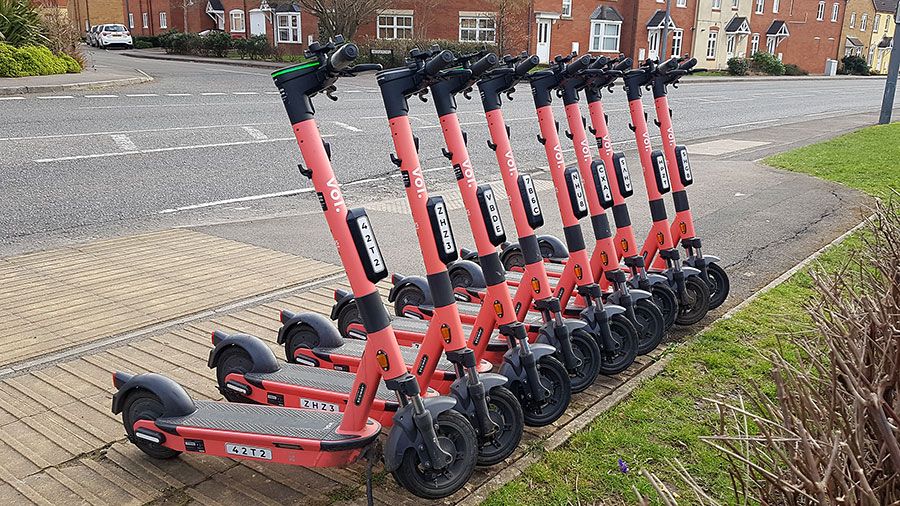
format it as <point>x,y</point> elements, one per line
<point>95,75</point>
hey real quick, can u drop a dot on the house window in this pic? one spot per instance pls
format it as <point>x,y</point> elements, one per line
<point>820,14</point>
<point>653,39</point>
<point>162,20</point>
<point>677,38</point>
<point>863,22</point>
<point>760,5</point>
<point>716,4</point>
<point>887,22</point>
<point>144,19</point>
<point>477,29</point>
<point>876,22</point>
<point>681,3</point>
<point>729,45</point>
<point>130,20</point>
<point>853,20</point>
<point>711,45</point>
<point>288,27</point>
<point>754,44</point>
<point>835,9</point>
<point>770,44</point>
<point>237,20</point>
<point>775,5</point>
<point>567,8</point>
<point>735,4</point>
<point>605,36</point>
<point>395,27</point>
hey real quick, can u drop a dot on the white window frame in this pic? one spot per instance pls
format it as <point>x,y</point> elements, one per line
<point>131,20</point>
<point>864,22</point>
<point>735,4</point>
<point>653,43</point>
<point>775,5</point>
<point>771,43</point>
<point>712,44</point>
<point>876,22</point>
<point>566,10</point>
<point>235,14</point>
<point>145,19</point>
<point>820,12</point>
<point>716,5</point>
<point>677,42</point>
<point>730,44</point>
<point>388,21</point>
<point>596,45</point>
<point>853,20</point>
<point>887,23</point>
<point>760,6</point>
<point>754,43</point>
<point>163,22</point>
<point>681,3</point>
<point>835,10</point>
<point>478,29</point>
<point>294,33</point>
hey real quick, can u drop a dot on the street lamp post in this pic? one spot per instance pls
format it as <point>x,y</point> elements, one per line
<point>665,34</point>
<point>890,87</point>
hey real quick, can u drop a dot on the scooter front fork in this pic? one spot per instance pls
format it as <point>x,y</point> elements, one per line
<point>674,271</point>
<point>693,248</point>
<point>595,315</point>
<point>552,312</point>
<point>465,363</point>
<point>622,293</point>
<point>517,335</point>
<point>437,457</point>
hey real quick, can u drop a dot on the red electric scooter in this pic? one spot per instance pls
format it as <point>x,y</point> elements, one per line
<point>540,382</point>
<point>491,408</point>
<point>431,449</point>
<point>691,288</point>
<point>680,175</point>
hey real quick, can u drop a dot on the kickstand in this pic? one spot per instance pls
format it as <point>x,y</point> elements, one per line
<point>372,453</point>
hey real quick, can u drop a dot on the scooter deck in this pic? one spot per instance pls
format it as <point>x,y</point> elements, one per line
<point>318,379</point>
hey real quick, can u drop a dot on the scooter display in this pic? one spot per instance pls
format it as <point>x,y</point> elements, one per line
<point>431,449</point>
<point>680,175</point>
<point>540,382</point>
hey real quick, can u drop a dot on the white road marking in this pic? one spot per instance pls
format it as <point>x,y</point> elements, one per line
<point>170,129</point>
<point>124,142</point>
<point>143,95</point>
<point>179,94</point>
<point>749,123</point>
<point>256,134</point>
<point>467,123</point>
<point>160,150</point>
<point>244,93</point>
<point>287,193</point>
<point>56,96</point>
<point>273,92</point>
<point>242,72</point>
<point>12,98</point>
<point>346,126</point>
<point>101,96</point>
<point>136,106</point>
<point>739,194</point>
<point>212,93</point>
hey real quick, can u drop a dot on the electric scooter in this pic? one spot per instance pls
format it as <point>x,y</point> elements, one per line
<point>680,175</point>
<point>431,449</point>
<point>491,408</point>
<point>540,382</point>
<point>692,290</point>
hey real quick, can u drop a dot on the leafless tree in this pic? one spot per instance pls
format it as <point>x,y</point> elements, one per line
<point>343,17</point>
<point>511,24</point>
<point>184,7</point>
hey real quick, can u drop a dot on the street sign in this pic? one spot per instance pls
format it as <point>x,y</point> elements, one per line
<point>382,51</point>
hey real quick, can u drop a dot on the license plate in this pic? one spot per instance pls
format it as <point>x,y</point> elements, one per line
<point>319,405</point>
<point>116,35</point>
<point>248,451</point>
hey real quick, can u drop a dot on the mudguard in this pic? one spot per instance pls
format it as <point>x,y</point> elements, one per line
<point>507,249</point>
<point>329,337</point>
<point>404,436</point>
<point>342,298</point>
<point>417,281</point>
<point>557,250</point>
<point>467,254</point>
<point>710,259</point>
<point>261,355</point>
<point>175,400</point>
<point>655,278</point>
<point>512,362</point>
<point>459,390</point>
<point>472,269</point>
<point>613,309</point>
<point>690,271</point>
<point>636,295</point>
<point>546,335</point>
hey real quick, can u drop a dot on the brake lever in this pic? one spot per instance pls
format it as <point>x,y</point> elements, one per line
<point>468,93</point>
<point>509,93</point>
<point>422,94</point>
<point>329,92</point>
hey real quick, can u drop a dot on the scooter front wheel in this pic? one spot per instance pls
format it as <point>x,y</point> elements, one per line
<point>650,325</point>
<point>695,303</point>
<point>585,348</point>
<point>719,285</point>
<point>456,437</point>
<point>143,405</point>
<point>505,410</point>
<point>667,302</point>
<point>555,378</point>
<point>626,339</point>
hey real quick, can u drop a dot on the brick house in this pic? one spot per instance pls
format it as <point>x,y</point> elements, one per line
<point>650,23</point>
<point>586,26</point>
<point>86,13</point>
<point>802,32</point>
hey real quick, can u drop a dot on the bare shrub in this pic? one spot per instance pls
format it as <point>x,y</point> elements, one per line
<point>63,37</point>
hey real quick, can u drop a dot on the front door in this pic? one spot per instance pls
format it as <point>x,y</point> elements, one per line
<point>543,40</point>
<point>257,22</point>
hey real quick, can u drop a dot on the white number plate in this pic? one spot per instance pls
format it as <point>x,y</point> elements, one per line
<point>531,195</point>
<point>443,226</point>
<point>626,176</point>
<point>374,254</point>
<point>663,172</point>
<point>604,183</point>
<point>580,203</point>
<point>686,164</point>
<point>493,216</point>
<point>319,405</point>
<point>248,451</point>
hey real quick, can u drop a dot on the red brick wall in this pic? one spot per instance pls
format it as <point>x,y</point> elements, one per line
<point>683,17</point>
<point>577,28</point>
<point>802,47</point>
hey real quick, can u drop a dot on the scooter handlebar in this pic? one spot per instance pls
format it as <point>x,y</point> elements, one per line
<point>344,56</point>
<point>527,64</point>
<point>688,65</point>
<point>364,67</point>
<point>439,62</point>
<point>624,65</point>
<point>484,64</point>
<point>600,62</point>
<point>667,66</point>
<point>578,65</point>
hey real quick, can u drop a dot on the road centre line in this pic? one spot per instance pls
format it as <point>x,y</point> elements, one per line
<point>101,96</point>
<point>212,93</point>
<point>142,95</point>
<point>195,104</point>
<point>160,150</point>
<point>468,123</point>
<point>287,193</point>
<point>12,98</point>
<point>347,127</point>
<point>179,94</point>
<point>50,97</point>
<point>245,93</point>
<point>170,129</point>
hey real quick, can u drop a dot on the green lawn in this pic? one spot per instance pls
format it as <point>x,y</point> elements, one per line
<point>666,415</point>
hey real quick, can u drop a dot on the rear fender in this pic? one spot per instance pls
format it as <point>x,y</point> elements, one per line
<point>507,248</point>
<point>329,337</point>
<point>557,250</point>
<point>546,335</point>
<point>404,436</point>
<point>472,269</point>
<point>175,400</point>
<point>342,299</point>
<point>264,360</point>
<point>418,281</point>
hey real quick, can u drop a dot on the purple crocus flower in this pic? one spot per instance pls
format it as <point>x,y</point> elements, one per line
<point>623,466</point>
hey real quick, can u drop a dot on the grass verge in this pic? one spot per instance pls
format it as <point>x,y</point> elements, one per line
<point>666,415</point>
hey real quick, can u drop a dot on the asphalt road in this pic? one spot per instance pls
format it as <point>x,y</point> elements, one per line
<point>209,143</point>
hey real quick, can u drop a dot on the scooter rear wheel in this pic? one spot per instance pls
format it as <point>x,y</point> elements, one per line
<point>667,302</point>
<point>719,285</point>
<point>143,405</point>
<point>513,259</point>
<point>348,315</point>
<point>626,338</point>
<point>506,412</point>
<point>232,360</point>
<point>651,326</point>
<point>585,347</point>
<point>457,437</point>
<point>695,303</point>
<point>555,378</point>
<point>300,336</point>
<point>409,295</point>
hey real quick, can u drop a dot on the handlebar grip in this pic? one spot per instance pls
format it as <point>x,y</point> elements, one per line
<point>667,65</point>
<point>484,64</point>
<point>527,64</point>
<point>578,64</point>
<point>344,56</point>
<point>600,62</point>
<point>688,65</point>
<point>624,65</point>
<point>439,62</point>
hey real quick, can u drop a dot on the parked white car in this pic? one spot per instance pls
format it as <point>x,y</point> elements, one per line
<point>114,35</point>
<point>91,36</point>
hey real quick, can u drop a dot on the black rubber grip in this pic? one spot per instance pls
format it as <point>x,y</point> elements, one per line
<point>667,65</point>
<point>484,64</point>
<point>657,210</point>
<point>578,65</point>
<point>372,312</point>
<point>574,238</point>
<point>531,250</point>
<point>492,268</point>
<point>441,289</point>
<point>600,223</point>
<point>624,65</point>
<point>600,62</point>
<point>439,62</point>
<point>344,56</point>
<point>527,64</point>
<point>688,65</point>
<point>681,201</point>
